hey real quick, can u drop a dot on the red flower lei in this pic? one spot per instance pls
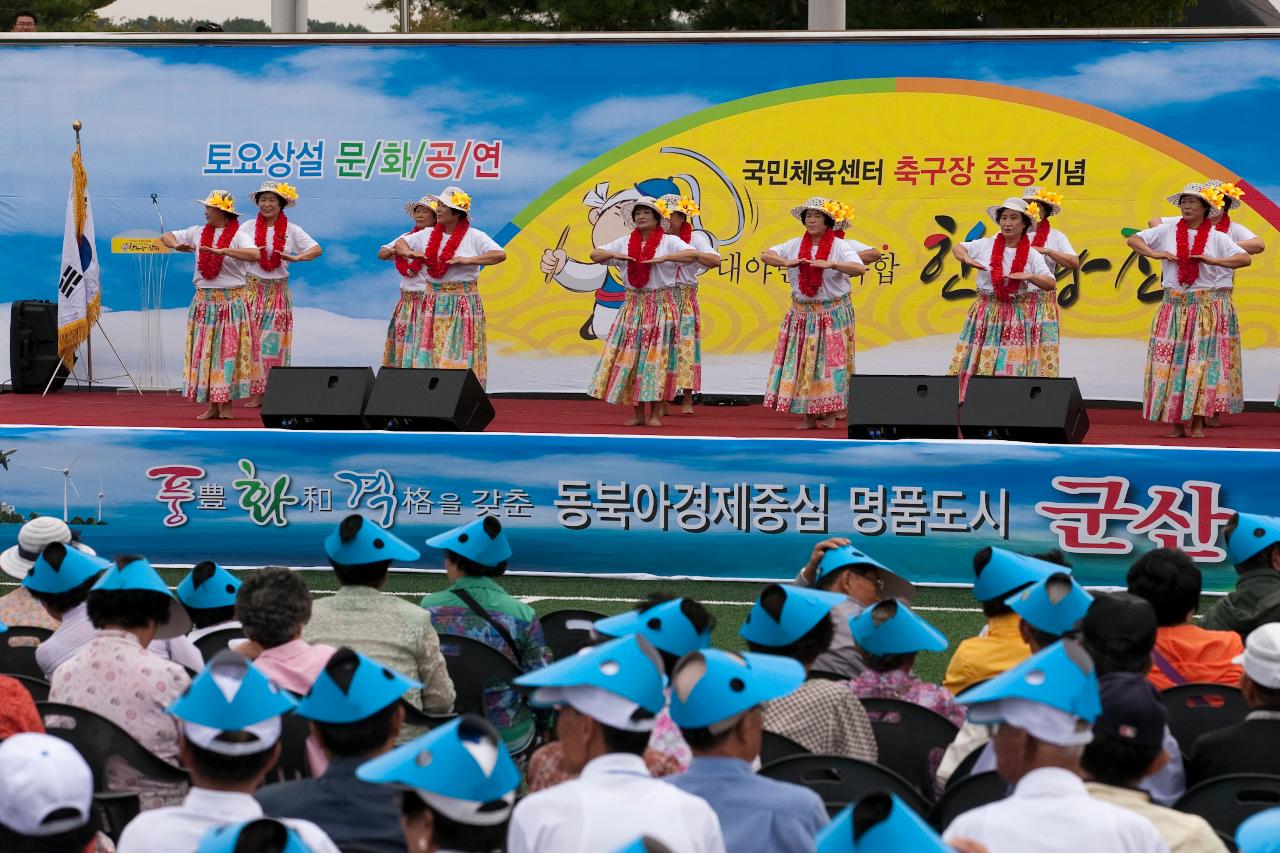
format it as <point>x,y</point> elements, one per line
<point>1004,287</point>
<point>641,250</point>
<point>1189,270</point>
<point>437,259</point>
<point>1042,234</point>
<point>267,260</point>
<point>685,233</point>
<point>1224,222</point>
<point>209,264</point>
<point>409,267</point>
<point>811,276</point>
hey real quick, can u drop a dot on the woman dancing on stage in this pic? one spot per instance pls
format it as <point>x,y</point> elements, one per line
<point>1190,374</point>
<point>451,316</point>
<point>639,364</point>
<point>994,338</point>
<point>404,332</point>
<point>222,360</point>
<point>814,356</point>
<point>267,276</point>
<point>677,211</point>
<point>1042,319</point>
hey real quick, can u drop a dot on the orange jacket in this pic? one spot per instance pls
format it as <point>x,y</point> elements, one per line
<point>1199,655</point>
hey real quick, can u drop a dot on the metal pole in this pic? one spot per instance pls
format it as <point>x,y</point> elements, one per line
<point>76,126</point>
<point>288,16</point>
<point>404,16</point>
<point>300,16</point>
<point>826,15</point>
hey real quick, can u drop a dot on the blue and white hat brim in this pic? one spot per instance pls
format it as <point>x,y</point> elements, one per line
<point>472,541</point>
<point>1051,677</point>
<point>1007,571</point>
<point>372,689</point>
<point>664,624</point>
<point>906,632</point>
<point>1253,533</point>
<point>139,575</point>
<point>802,609</point>
<point>219,590</point>
<point>901,830</point>
<point>628,666</point>
<point>371,544</point>
<point>731,684</point>
<point>230,695</point>
<point>893,585</point>
<point>1034,607</point>
<point>76,569</point>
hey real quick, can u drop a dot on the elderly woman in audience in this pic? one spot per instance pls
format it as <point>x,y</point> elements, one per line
<point>273,606</point>
<point>891,636</point>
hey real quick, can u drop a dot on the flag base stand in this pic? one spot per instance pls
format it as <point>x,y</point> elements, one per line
<point>71,370</point>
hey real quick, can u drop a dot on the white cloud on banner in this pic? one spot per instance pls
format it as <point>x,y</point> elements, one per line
<point>615,120</point>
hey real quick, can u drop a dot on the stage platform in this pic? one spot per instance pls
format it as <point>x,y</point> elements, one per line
<point>1109,425</point>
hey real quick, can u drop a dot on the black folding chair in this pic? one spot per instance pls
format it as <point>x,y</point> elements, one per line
<point>965,795</point>
<point>293,763</point>
<point>840,781</point>
<point>906,734</point>
<point>115,809</point>
<point>38,688</point>
<point>98,739</point>
<point>421,719</point>
<point>567,631</point>
<point>774,747</point>
<point>18,651</point>
<point>965,767</point>
<point>1226,801</point>
<point>212,643</point>
<point>1195,709</point>
<point>474,667</point>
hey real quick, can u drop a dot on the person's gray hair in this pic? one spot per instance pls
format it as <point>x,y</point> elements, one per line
<point>273,604</point>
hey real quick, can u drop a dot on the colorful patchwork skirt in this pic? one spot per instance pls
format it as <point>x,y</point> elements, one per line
<point>222,361</point>
<point>1193,359</point>
<point>1042,333</point>
<point>688,339</point>
<point>813,359</point>
<point>639,362</point>
<point>993,340</point>
<point>271,306</point>
<point>441,327</point>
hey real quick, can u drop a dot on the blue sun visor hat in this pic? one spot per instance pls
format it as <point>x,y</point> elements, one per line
<point>879,823</point>
<point>664,624</point>
<point>351,688</point>
<point>1060,678</point>
<point>208,586</point>
<point>1055,605</point>
<point>1004,572</point>
<point>223,839</point>
<point>357,541</point>
<point>138,575</point>
<point>1252,533</point>
<point>1260,833</point>
<point>461,769</point>
<point>892,584</point>
<point>232,695</point>
<point>619,683</point>
<point>60,568</point>
<point>889,627</point>
<point>482,541</point>
<point>711,687</point>
<point>801,609</point>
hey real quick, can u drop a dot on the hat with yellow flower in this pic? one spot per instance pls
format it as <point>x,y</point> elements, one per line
<point>426,201</point>
<point>455,199</point>
<point>1048,198</point>
<point>841,214</point>
<point>1207,190</point>
<point>669,204</point>
<point>221,200</point>
<point>1019,204</point>
<point>1232,195</point>
<point>629,209</point>
<point>287,193</point>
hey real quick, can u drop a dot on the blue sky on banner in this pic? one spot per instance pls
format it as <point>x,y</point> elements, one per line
<point>150,113</point>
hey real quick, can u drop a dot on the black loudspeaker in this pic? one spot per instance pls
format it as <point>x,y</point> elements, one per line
<point>33,346</point>
<point>428,400</point>
<point>316,397</point>
<point>1015,408</point>
<point>882,407</point>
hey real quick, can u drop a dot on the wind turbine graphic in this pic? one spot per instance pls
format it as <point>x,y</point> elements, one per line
<point>66,480</point>
<point>100,496</point>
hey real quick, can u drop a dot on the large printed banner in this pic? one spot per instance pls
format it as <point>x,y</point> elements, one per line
<point>717,508</point>
<point>550,139</point>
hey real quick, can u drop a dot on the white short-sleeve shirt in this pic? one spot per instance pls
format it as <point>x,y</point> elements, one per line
<point>1164,238</point>
<point>688,273</point>
<point>980,251</point>
<point>233,271</point>
<point>296,241</point>
<point>1235,230</point>
<point>834,283</point>
<point>474,242</point>
<point>1056,242</point>
<point>661,275</point>
<point>417,282</point>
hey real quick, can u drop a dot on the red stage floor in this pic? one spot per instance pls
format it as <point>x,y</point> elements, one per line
<point>1109,425</point>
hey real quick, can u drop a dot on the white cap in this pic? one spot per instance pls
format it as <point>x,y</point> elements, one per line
<point>39,775</point>
<point>1261,658</point>
<point>33,536</point>
<point>601,705</point>
<point>1040,721</point>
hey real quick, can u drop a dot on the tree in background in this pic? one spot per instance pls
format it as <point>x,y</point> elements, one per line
<point>152,24</point>
<point>53,15</point>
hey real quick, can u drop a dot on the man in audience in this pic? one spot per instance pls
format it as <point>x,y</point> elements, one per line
<point>263,835</point>
<point>1253,546</point>
<point>1043,708</point>
<point>381,626</point>
<point>209,594</point>
<point>608,697</point>
<point>25,22</point>
<point>21,607</point>
<point>716,700</point>
<point>60,580</point>
<point>46,796</point>
<point>1128,745</point>
<point>1251,746</point>
<point>1184,652</point>
<point>836,566</point>
<point>231,727</point>
<point>356,714</point>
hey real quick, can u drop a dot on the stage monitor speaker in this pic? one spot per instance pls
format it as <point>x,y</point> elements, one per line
<point>428,400</point>
<point>890,407</point>
<point>1015,408</point>
<point>33,346</point>
<point>316,397</point>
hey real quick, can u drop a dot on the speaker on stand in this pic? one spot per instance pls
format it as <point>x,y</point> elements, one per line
<point>1016,408</point>
<point>429,400</point>
<point>893,407</point>
<point>316,397</point>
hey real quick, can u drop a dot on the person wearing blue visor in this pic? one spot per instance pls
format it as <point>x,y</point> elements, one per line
<point>645,844</point>
<point>1044,708</point>
<point>717,700</point>
<point>1253,547</point>
<point>836,565</point>
<point>1260,833</point>
<point>356,714</point>
<point>879,822</point>
<point>209,594</point>
<point>822,715</point>
<point>231,726</point>
<point>608,697</point>
<point>383,627</point>
<point>675,626</point>
<point>60,579</point>
<point>476,606</point>
<point>457,783</point>
<point>263,835</point>
<point>998,574</point>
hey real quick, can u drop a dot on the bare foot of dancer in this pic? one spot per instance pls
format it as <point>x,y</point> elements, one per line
<point>224,412</point>
<point>1178,431</point>
<point>842,414</point>
<point>655,420</point>
<point>686,405</point>
<point>254,402</point>
<point>659,409</point>
<point>1212,421</point>
<point>209,413</point>
<point>1197,427</point>
<point>637,418</point>
<point>828,422</point>
<point>809,422</point>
